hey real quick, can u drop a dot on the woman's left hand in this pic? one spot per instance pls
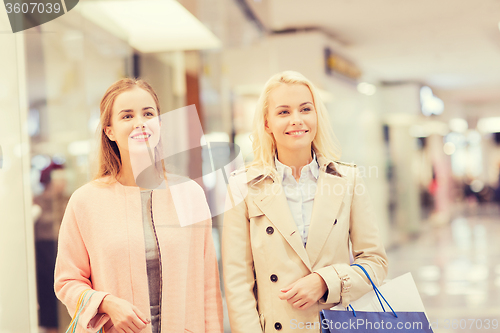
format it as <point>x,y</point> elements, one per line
<point>305,291</point>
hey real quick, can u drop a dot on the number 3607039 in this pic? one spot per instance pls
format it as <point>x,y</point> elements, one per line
<point>33,7</point>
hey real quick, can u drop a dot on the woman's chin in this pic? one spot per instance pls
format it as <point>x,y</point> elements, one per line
<point>138,149</point>
<point>141,147</point>
<point>297,147</point>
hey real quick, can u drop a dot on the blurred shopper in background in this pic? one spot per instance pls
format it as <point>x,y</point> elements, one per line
<point>125,242</point>
<point>285,249</point>
<point>52,202</point>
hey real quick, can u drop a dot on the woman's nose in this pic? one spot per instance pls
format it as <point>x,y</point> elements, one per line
<point>140,122</point>
<point>296,119</point>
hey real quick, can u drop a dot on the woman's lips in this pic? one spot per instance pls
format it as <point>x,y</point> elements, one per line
<point>143,137</point>
<point>297,133</point>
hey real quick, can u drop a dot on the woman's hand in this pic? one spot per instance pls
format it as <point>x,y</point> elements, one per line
<point>126,317</point>
<point>305,291</point>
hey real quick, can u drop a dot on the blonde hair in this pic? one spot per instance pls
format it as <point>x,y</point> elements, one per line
<point>109,159</point>
<point>325,142</point>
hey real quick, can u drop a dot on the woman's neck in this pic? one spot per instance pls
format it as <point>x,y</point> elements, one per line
<point>126,175</point>
<point>132,168</point>
<point>295,160</point>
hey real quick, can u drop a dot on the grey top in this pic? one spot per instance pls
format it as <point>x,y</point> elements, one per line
<point>153,263</point>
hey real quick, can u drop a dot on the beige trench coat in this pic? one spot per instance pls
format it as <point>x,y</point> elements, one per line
<point>263,252</point>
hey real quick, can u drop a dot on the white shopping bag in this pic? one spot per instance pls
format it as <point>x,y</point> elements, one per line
<point>401,293</point>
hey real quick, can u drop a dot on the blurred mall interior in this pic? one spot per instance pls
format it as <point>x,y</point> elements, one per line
<point>412,89</point>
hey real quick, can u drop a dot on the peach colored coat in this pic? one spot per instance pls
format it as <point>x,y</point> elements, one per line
<point>101,246</point>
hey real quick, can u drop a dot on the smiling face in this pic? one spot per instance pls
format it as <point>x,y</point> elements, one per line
<point>134,121</point>
<point>292,119</point>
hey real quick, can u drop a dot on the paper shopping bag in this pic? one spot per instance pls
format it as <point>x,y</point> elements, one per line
<point>370,321</point>
<point>368,313</point>
<point>401,293</point>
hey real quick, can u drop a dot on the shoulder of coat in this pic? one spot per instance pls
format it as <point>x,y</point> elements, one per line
<point>346,164</point>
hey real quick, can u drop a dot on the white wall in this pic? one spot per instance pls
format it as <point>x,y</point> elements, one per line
<point>17,279</point>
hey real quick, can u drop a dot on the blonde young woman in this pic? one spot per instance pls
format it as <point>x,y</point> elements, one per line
<point>123,246</point>
<point>285,246</point>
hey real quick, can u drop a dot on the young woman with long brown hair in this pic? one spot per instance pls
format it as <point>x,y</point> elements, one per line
<point>125,243</point>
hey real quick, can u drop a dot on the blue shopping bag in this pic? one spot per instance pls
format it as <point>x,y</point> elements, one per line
<point>368,321</point>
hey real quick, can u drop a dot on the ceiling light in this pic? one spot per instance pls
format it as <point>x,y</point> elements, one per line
<point>449,148</point>
<point>489,125</point>
<point>40,162</point>
<point>430,103</point>
<point>151,25</point>
<point>367,88</point>
<point>476,186</point>
<point>458,125</point>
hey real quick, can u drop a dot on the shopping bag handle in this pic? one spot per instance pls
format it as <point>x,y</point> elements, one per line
<point>82,302</point>
<point>373,284</point>
<point>377,292</point>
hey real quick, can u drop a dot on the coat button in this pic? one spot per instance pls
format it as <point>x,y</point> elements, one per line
<point>277,326</point>
<point>270,230</point>
<point>274,277</point>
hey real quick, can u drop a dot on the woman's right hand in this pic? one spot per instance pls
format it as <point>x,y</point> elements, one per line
<point>126,317</point>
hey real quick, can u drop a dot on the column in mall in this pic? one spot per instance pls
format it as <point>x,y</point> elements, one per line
<point>357,122</point>
<point>442,169</point>
<point>18,305</point>
<point>402,108</point>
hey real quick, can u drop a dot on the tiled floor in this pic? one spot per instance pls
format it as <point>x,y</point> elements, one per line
<point>457,270</point>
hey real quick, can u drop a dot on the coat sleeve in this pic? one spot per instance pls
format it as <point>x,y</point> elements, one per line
<point>72,273</point>
<point>213,298</point>
<point>367,249</point>
<point>237,261</point>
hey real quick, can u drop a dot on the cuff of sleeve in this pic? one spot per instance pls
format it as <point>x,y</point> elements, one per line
<point>332,281</point>
<point>345,285</point>
<point>90,320</point>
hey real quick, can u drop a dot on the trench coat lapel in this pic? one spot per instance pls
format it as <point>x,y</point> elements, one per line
<point>330,192</point>
<point>272,202</point>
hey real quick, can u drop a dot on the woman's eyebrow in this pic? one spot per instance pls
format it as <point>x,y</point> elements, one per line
<point>143,109</point>
<point>287,106</point>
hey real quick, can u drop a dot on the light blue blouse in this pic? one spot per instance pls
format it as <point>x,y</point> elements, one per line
<point>300,195</point>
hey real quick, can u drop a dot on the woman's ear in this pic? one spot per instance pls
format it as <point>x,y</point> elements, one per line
<point>109,133</point>
<point>266,126</point>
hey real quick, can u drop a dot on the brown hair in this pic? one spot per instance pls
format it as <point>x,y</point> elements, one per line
<point>109,159</point>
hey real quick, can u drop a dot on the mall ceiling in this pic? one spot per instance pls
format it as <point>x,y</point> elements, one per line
<point>448,44</point>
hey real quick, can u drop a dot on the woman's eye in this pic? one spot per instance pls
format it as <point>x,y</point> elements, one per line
<point>127,116</point>
<point>306,109</point>
<point>283,112</point>
<point>150,114</point>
